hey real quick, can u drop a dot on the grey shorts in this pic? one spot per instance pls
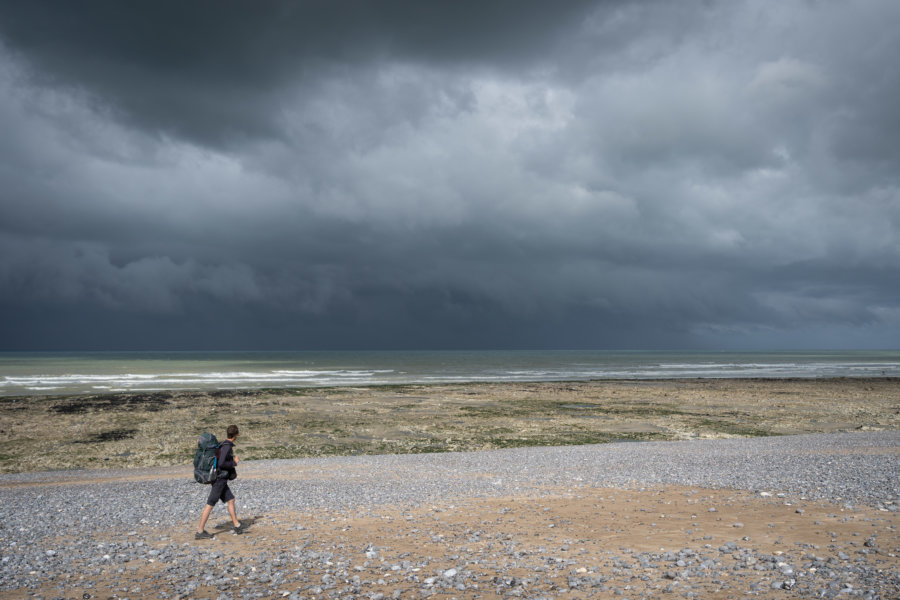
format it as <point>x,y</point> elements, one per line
<point>220,491</point>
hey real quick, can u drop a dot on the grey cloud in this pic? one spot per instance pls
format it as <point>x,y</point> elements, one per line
<point>613,174</point>
<point>216,72</point>
<point>53,273</point>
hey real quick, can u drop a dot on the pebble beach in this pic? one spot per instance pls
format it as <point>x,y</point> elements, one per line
<point>792,516</point>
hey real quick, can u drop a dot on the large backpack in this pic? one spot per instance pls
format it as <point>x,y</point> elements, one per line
<point>205,461</point>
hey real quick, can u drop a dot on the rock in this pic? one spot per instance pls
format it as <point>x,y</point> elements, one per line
<point>785,569</point>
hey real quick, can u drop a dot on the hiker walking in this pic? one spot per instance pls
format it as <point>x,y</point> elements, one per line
<point>227,463</point>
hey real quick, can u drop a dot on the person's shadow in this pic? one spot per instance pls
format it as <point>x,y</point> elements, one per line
<point>246,523</point>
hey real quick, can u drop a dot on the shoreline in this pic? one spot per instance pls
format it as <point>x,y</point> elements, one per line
<point>142,429</point>
<point>50,373</point>
<point>300,390</point>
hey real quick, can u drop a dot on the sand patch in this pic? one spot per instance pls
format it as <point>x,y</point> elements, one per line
<point>583,542</point>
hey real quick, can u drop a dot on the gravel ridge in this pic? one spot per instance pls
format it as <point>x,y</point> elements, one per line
<point>851,468</point>
<point>817,466</point>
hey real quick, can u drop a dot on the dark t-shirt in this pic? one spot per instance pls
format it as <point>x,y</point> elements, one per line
<point>225,456</point>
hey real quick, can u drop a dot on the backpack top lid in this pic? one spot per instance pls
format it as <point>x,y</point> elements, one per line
<point>207,441</point>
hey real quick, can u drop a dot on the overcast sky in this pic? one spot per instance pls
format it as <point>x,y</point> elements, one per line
<point>491,174</point>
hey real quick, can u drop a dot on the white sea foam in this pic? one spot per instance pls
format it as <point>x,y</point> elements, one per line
<point>70,374</point>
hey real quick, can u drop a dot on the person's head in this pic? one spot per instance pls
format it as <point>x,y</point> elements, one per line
<point>232,432</point>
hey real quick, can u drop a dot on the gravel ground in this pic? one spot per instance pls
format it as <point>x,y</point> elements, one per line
<point>96,526</point>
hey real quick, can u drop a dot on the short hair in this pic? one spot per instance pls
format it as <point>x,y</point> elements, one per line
<point>232,431</point>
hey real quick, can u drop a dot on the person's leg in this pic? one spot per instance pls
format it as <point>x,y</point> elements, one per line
<point>215,494</point>
<point>228,499</point>
<point>233,513</point>
<point>204,517</point>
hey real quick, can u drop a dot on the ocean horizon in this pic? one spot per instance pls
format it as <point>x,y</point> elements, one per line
<point>67,373</point>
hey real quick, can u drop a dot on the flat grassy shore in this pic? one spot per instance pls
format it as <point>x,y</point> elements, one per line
<point>160,428</point>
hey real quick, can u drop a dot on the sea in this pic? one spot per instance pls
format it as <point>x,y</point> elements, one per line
<point>69,373</point>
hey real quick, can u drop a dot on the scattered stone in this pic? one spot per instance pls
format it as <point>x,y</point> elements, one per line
<point>473,560</point>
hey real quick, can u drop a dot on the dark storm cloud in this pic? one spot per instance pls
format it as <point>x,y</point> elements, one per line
<point>216,71</point>
<point>330,174</point>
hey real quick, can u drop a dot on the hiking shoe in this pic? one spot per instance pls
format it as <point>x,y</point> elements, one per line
<point>203,535</point>
<point>238,530</point>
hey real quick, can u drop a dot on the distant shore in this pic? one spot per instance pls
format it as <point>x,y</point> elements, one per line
<point>160,428</point>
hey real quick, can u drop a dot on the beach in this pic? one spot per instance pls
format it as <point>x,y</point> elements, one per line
<point>792,516</point>
<point>160,428</point>
<point>741,488</point>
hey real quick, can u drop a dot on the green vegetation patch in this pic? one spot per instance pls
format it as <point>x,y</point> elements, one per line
<point>732,428</point>
<point>114,435</point>
<point>123,402</point>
